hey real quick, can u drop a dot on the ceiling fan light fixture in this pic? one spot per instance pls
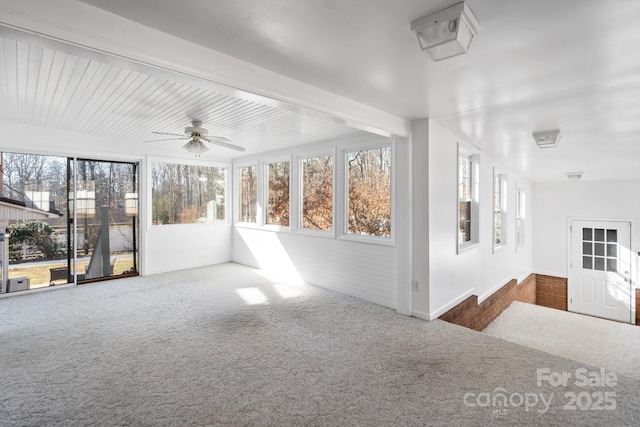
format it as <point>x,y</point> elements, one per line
<point>446,33</point>
<point>547,139</point>
<point>196,129</point>
<point>195,146</point>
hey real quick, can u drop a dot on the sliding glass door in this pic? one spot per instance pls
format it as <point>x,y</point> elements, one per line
<point>62,218</point>
<point>103,216</point>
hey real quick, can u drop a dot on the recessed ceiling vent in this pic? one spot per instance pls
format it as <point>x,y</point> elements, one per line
<point>548,139</point>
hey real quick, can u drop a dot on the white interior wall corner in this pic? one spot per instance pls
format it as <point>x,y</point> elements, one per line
<point>478,270</point>
<point>420,165</point>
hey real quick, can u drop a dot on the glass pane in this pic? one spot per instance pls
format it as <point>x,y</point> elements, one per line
<point>587,262</point>
<point>465,211</point>
<point>587,248</point>
<point>599,235</point>
<point>612,264</point>
<point>107,219</point>
<point>248,194</point>
<point>612,250</point>
<point>278,194</point>
<point>38,248</point>
<point>369,192</point>
<point>497,227</point>
<point>465,231</point>
<point>599,249</point>
<point>599,264</point>
<point>612,236</point>
<point>184,194</point>
<point>317,193</point>
<point>587,234</point>
<point>464,191</point>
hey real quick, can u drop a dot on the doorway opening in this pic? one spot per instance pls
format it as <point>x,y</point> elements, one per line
<point>64,220</point>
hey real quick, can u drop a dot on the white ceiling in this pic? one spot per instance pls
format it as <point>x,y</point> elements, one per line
<point>50,85</point>
<point>535,65</point>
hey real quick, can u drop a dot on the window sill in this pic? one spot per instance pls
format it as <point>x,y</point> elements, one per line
<point>325,234</point>
<point>276,228</point>
<point>464,247</point>
<point>371,240</point>
<point>251,225</point>
<point>192,224</point>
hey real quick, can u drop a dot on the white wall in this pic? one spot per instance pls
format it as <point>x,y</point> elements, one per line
<point>556,203</point>
<point>478,270</point>
<point>419,218</point>
<point>181,246</point>
<point>364,268</point>
<point>162,248</point>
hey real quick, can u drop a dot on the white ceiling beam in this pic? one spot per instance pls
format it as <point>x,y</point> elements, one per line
<point>85,26</point>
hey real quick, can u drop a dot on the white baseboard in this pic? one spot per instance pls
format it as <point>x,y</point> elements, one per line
<point>421,315</point>
<point>448,306</point>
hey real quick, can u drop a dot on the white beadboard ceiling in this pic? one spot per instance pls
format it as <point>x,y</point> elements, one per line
<point>67,88</point>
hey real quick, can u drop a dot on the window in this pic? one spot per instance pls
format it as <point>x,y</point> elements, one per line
<point>186,194</point>
<point>499,209</point>
<point>369,192</point>
<point>465,176</point>
<point>247,175</point>
<point>600,249</point>
<point>317,193</point>
<point>467,199</point>
<point>520,217</point>
<point>278,194</point>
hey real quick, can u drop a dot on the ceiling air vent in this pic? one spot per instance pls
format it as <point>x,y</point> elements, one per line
<point>548,139</point>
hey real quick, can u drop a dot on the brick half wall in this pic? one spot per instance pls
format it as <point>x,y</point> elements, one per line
<point>551,291</point>
<point>540,289</point>
<point>476,316</point>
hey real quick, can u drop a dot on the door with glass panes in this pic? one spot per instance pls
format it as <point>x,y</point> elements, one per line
<point>103,217</point>
<point>600,269</point>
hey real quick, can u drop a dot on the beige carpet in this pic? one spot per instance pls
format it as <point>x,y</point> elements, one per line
<point>227,345</point>
<point>585,339</point>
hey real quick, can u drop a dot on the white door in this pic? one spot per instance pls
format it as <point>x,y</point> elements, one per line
<point>600,269</point>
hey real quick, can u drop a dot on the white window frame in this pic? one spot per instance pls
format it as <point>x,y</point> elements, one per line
<point>263,190</point>
<point>500,185</point>
<point>474,181</point>
<point>343,177</point>
<point>297,189</point>
<point>338,150</point>
<point>521,217</point>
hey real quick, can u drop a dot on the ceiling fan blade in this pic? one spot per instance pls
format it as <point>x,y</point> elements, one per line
<point>171,134</point>
<point>216,138</point>
<point>223,142</point>
<point>168,139</point>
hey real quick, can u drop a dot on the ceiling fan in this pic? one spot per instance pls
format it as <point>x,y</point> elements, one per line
<point>196,136</point>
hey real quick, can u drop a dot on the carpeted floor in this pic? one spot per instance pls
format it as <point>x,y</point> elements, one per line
<point>599,342</point>
<point>228,345</point>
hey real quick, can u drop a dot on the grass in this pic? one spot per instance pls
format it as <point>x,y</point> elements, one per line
<point>39,274</point>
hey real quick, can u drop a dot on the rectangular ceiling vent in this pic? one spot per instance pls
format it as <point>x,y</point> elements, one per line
<point>548,139</point>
